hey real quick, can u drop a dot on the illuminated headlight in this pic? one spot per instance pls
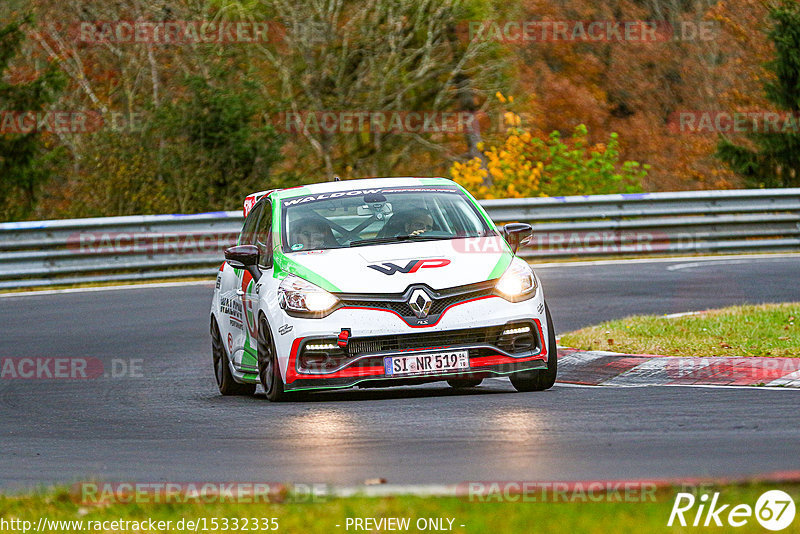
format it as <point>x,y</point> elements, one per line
<point>301,296</point>
<point>517,283</point>
<point>512,331</point>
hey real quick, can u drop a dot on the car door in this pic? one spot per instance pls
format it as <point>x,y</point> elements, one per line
<point>233,323</point>
<point>261,238</point>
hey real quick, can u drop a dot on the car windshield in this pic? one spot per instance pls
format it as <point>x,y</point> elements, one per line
<point>379,216</point>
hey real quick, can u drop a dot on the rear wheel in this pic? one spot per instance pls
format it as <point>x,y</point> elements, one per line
<point>464,382</point>
<point>222,370</point>
<point>268,370</point>
<point>540,379</point>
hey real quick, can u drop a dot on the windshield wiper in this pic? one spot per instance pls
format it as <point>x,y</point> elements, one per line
<point>396,239</point>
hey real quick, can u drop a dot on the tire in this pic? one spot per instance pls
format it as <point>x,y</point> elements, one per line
<point>268,369</point>
<point>461,383</point>
<point>222,367</point>
<point>540,379</point>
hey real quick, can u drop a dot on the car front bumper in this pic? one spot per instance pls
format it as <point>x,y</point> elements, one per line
<point>375,334</point>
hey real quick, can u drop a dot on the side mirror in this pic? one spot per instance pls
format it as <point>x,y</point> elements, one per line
<point>244,257</point>
<point>515,233</point>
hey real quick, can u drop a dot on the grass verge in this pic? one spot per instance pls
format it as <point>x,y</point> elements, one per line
<point>600,516</point>
<point>762,330</point>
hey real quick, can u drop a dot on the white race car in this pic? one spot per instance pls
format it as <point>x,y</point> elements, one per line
<point>374,283</point>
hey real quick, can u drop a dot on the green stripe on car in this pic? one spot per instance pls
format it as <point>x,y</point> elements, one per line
<point>287,265</point>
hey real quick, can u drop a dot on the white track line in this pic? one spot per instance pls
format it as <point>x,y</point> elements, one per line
<point>697,264</point>
<point>669,259</point>
<point>209,283</point>
<point>682,314</point>
<point>386,490</point>
<point>712,386</point>
<point>718,386</point>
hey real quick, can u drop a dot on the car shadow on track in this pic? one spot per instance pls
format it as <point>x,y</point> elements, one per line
<point>402,392</point>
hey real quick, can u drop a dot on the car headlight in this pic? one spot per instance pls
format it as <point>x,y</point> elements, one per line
<point>517,283</point>
<point>302,297</point>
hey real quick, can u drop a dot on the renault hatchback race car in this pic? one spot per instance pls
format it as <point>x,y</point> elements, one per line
<point>373,283</point>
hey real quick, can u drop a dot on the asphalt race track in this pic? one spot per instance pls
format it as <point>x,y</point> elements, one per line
<point>167,422</point>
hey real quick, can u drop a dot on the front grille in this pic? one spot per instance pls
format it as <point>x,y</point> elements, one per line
<point>365,346</point>
<point>398,303</point>
<point>467,336</point>
<point>439,305</point>
<point>404,310</point>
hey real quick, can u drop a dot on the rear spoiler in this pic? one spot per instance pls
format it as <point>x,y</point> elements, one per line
<point>251,199</point>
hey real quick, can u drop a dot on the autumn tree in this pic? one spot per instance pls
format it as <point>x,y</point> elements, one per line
<point>377,56</point>
<point>772,159</point>
<point>217,134</point>
<point>525,165</point>
<point>185,126</point>
<point>25,162</point>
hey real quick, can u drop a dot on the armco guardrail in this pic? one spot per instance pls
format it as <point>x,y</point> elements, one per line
<point>690,222</point>
<point>43,253</point>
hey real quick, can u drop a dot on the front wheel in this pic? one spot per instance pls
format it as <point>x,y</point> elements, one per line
<point>540,379</point>
<point>268,370</point>
<point>222,367</point>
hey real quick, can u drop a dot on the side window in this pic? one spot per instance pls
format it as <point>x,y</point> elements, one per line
<point>248,231</point>
<point>264,235</point>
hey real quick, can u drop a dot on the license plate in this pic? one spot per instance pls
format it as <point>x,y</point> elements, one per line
<point>419,364</point>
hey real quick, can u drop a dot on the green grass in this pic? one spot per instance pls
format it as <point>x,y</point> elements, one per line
<point>763,330</point>
<point>494,517</point>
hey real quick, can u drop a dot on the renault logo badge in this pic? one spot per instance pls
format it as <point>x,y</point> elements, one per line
<point>420,303</point>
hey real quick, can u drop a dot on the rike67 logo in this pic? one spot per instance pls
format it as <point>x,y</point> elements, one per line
<point>774,510</point>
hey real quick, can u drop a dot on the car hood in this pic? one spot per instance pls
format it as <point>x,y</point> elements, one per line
<point>391,268</point>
